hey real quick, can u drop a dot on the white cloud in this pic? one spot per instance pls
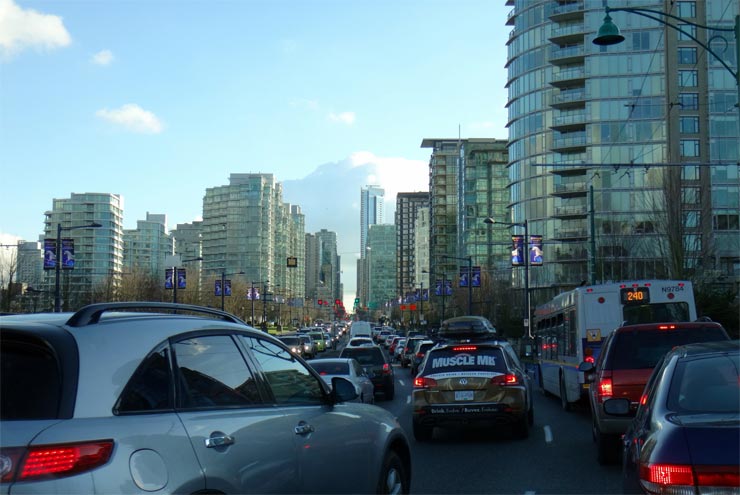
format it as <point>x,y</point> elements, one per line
<point>20,29</point>
<point>344,117</point>
<point>133,118</point>
<point>103,57</point>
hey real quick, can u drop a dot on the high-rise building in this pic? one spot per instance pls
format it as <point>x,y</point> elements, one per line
<point>146,246</point>
<point>322,266</point>
<point>381,262</point>
<point>248,228</point>
<point>371,213</point>
<point>468,184</point>
<point>408,205</point>
<point>421,248</point>
<point>98,252</point>
<point>624,158</point>
<point>29,264</point>
<point>189,248</point>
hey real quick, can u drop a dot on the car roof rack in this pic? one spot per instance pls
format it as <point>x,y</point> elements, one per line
<point>91,314</point>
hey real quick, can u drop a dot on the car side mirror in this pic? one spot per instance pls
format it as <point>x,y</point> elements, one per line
<point>586,367</point>
<point>342,390</point>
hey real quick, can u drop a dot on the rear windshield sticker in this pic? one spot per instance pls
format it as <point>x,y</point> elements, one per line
<point>464,360</point>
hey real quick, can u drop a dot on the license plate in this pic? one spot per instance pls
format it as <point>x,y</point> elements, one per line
<point>463,395</point>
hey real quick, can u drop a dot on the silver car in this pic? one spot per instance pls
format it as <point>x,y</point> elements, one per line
<point>347,368</point>
<point>180,399</point>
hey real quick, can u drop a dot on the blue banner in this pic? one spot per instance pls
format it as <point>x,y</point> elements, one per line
<point>463,277</point>
<point>168,284</point>
<point>68,254</point>
<point>50,254</point>
<point>181,278</point>
<point>217,288</point>
<point>517,250</point>
<point>476,276</point>
<point>535,250</point>
<point>227,287</point>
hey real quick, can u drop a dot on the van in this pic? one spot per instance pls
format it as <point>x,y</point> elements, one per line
<point>628,356</point>
<point>360,329</point>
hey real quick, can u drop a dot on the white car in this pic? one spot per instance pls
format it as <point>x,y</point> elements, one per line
<point>349,369</point>
<point>400,343</point>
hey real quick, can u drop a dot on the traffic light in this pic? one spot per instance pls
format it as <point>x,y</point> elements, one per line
<point>357,301</point>
<point>320,302</point>
<point>338,302</point>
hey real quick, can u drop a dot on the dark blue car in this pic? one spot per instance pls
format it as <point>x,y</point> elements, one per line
<point>685,437</point>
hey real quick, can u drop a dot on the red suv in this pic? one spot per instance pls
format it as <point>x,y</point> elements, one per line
<point>627,359</point>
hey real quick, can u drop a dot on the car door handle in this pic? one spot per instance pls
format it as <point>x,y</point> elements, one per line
<point>219,441</point>
<point>303,428</point>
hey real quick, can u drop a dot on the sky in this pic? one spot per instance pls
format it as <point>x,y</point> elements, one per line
<point>159,100</point>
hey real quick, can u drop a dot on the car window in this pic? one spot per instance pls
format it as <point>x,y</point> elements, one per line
<point>150,387</point>
<point>290,381</point>
<point>705,385</point>
<point>28,367</point>
<point>465,358</point>
<point>213,373</point>
<point>365,355</point>
<point>337,368</point>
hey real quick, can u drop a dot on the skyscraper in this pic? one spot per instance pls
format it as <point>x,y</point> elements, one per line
<point>371,212</point>
<point>624,158</point>
<point>408,205</point>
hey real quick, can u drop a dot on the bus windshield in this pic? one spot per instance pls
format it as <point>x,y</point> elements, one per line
<point>659,312</point>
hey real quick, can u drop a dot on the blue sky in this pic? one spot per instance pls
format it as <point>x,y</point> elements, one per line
<point>159,100</point>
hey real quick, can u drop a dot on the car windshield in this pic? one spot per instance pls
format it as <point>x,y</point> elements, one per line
<point>331,368</point>
<point>465,359</point>
<point>291,340</point>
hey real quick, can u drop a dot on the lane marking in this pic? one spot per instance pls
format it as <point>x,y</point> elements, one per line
<point>548,434</point>
<point>530,492</point>
<point>401,383</point>
<point>408,400</point>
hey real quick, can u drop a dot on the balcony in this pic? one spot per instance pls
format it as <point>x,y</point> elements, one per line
<point>574,98</point>
<point>569,77</point>
<point>569,189</point>
<point>570,234</point>
<point>568,143</point>
<point>574,211</point>
<point>569,168</point>
<point>567,12</point>
<point>568,34</point>
<point>569,122</point>
<point>510,17</point>
<point>567,54</point>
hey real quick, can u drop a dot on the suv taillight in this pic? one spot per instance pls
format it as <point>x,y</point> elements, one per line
<point>54,461</point>
<point>386,369</point>
<point>604,389</point>
<point>679,478</point>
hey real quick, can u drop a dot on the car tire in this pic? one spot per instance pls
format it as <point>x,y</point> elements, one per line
<point>394,477</point>
<point>422,433</point>
<point>564,404</point>
<point>606,447</point>
<point>390,393</point>
<point>521,427</point>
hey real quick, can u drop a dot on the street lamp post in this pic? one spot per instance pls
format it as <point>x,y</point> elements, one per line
<point>223,286</point>
<point>443,290</point>
<point>176,280</point>
<point>609,35</point>
<point>58,260</point>
<point>525,254</point>
<point>469,259</point>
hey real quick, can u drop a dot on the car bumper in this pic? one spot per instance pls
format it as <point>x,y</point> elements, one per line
<point>451,414</point>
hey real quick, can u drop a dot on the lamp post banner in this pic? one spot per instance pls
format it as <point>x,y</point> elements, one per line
<point>227,287</point>
<point>181,278</point>
<point>535,250</point>
<point>168,278</point>
<point>476,276</point>
<point>68,254</point>
<point>463,277</point>
<point>217,288</point>
<point>50,254</point>
<point>517,250</point>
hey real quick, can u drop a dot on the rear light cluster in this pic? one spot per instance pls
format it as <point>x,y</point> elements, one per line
<point>678,478</point>
<point>508,379</point>
<point>386,369</point>
<point>424,382</point>
<point>53,461</point>
<point>604,387</point>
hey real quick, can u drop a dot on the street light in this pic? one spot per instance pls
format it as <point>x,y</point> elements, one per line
<point>525,254</point>
<point>443,290</point>
<point>609,34</point>
<point>175,277</point>
<point>469,259</point>
<point>58,260</point>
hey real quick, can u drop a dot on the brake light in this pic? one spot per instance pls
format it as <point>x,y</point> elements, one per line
<point>465,348</point>
<point>55,461</point>
<point>589,359</point>
<point>420,355</point>
<point>656,478</point>
<point>605,389</point>
<point>666,327</point>
<point>424,382</point>
<point>508,379</point>
<point>386,368</point>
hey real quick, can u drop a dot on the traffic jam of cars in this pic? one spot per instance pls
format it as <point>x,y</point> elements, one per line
<point>137,397</point>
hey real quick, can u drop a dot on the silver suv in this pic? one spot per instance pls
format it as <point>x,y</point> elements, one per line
<point>180,399</point>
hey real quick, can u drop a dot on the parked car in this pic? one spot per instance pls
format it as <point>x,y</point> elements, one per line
<point>627,358</point>
<point>294,343</point>
<point>471,383</point>
<point>350,369</point>
<point>420,350</point>
<point>180,399</point>
<point>376,365</point>
<point>685,437</point>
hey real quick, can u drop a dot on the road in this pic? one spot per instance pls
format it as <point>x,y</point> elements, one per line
<point>559,457</point>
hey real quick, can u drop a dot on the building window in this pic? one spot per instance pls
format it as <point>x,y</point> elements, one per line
<point>689,101</point>
<point>686,9</point>
<point>726,222</point>
<point>687,55</point>
<point>688,78</point>
<point>689,124</point>
<point>690,147</point>
<point>641,41</point>
<point>684,29</point>
<point>690,172</point>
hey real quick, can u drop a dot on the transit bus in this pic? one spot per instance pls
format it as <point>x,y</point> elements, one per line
<point>570,328</point>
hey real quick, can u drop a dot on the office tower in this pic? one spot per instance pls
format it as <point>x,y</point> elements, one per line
<point>371,212</point>
<point>29,265</point>
<point>381,262</point>
<point>408,205</point>
<point>624,158</point>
